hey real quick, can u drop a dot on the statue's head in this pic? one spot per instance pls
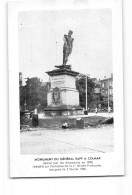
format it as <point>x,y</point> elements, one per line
<point>70,32</point>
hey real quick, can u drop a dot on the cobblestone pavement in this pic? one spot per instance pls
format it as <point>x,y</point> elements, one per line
<point>44,141</point>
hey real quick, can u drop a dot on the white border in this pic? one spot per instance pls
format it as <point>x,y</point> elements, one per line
<point>21,165</point>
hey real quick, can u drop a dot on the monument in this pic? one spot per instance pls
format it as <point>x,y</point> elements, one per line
<point>63,97</point>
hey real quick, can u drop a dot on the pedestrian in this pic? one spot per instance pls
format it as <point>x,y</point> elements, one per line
<point>35,111</point>
<point>96,110</point>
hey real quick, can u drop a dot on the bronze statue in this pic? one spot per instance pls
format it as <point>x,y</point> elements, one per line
<point>67,47</point>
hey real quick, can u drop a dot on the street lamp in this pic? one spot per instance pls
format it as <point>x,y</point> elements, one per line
<point>56,52</point>
<point>108,95</point>
<point>25,104</point>
<point>86,79</point>
<point>86,110</point>
<point>86,97</point>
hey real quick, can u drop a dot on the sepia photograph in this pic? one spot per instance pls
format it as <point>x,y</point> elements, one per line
<point>66,81</point>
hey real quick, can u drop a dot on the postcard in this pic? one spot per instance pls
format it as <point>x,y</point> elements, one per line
<point>65,89</point>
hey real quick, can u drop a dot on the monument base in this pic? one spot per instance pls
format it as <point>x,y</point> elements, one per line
<point>63,97</point>
<point>63,110</point>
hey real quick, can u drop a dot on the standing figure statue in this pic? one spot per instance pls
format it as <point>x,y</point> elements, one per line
<point>67,47</point>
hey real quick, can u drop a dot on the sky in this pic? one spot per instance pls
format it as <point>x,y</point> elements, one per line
<point>41,41</point>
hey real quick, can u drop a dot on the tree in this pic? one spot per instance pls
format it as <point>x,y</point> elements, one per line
<point>22,94</point>
<point>81,87</point>
<point>104,102</point>
<point>34,93</point>
<point>42,95</point>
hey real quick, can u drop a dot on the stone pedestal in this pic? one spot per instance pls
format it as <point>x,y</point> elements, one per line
<point>63,98</point>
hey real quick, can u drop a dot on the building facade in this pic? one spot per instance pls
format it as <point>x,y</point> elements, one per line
<point>103,93</point>
<point>106,87</point>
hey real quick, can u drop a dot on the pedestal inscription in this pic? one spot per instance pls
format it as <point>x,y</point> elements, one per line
<point>57,82</point>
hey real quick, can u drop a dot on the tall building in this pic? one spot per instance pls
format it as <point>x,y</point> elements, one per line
<point>103,93</point>
<point>107,90</point>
